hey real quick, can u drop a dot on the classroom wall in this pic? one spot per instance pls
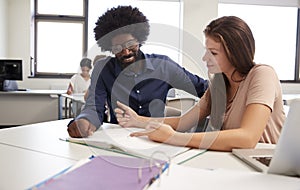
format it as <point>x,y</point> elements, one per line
<point>3,28</point>
<point>15,24</point>
<point>194,21</point>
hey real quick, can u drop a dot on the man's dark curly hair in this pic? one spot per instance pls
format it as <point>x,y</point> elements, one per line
<point>121,20</point>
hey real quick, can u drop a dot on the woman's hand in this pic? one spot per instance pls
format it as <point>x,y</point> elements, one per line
<point>127,117</point>
<point>158,132</point>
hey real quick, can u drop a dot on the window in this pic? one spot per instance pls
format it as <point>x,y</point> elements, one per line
<point>63,34</point>
<point>276,35</point>
<point>60,37</point>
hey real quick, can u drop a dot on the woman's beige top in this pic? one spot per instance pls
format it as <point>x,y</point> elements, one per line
<point>261,86</point>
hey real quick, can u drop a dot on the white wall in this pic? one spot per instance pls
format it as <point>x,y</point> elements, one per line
<point>289,3</point>
<point>197,15</point>
<point>3,27</point>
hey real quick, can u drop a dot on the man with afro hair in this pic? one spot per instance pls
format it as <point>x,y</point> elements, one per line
<point>139,80</point>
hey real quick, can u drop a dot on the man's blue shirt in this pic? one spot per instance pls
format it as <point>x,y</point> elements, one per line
<point>144,89</point>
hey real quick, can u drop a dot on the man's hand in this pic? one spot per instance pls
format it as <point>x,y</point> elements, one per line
<point>128,117</point>
<point>81,128</point>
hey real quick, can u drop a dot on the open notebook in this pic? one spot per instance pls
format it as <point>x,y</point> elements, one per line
<point>113,137</point>
<point>285,158</point>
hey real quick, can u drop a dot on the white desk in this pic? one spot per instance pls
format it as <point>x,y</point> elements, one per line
<point>287,98</point>
<point>73,103</point>
<point>75,97</point>
<point>21,168</point>
<point>32,106</point>
<point>33,153</point>
<point>37,148</point>
<point>44,138</point>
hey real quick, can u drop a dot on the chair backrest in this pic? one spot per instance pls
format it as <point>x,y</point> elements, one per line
<point>172,112</point>
<point>183,104</point>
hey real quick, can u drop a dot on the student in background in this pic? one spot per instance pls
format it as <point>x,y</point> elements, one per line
<point>96,58</point>
<point>141,80</point>
<point>81,81</point>
<point>244,99</point>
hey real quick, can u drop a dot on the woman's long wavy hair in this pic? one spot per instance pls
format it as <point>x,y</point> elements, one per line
<point>237,39</point>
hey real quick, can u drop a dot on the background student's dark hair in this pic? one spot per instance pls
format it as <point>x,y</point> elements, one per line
<point>130,21</point>
<point>86,62</point>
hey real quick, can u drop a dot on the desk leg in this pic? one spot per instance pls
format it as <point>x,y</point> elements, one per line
<point>59,106</point>
<point>66,107</point>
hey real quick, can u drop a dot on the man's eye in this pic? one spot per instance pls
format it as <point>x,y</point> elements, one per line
<point>131,44</point>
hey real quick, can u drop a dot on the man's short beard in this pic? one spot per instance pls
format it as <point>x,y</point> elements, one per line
<point>122,58</point>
